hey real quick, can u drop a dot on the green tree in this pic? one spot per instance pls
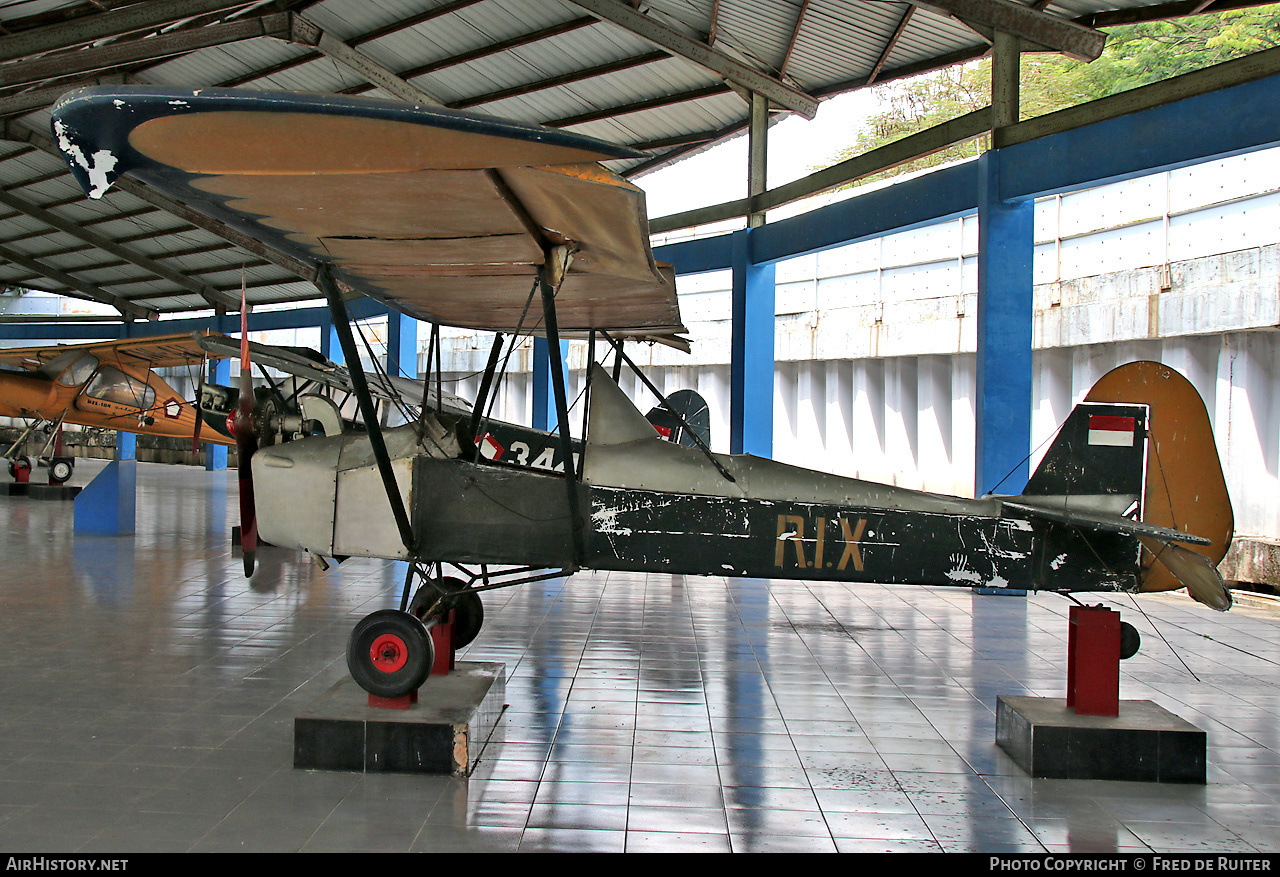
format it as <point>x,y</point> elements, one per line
<point>1135,55</point>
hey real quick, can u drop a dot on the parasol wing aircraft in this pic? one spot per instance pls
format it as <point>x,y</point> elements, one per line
<point>471,221</point>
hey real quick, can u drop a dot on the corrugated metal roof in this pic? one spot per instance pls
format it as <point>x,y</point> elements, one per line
<point>546,61</point>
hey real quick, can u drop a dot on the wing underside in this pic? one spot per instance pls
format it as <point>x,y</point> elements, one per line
<point>160,351</point>
<point>444,216</point>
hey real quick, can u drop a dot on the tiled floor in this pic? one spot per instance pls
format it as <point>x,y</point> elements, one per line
<point>148,690</point>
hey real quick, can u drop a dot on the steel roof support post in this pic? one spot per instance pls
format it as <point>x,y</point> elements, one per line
<point>402,345</point>
<point>1006,249</point>
<point>751,352</point>
<point>215,456</point>
<point>757,156</point>
<point>544,403</point>
<point>1006,245</point>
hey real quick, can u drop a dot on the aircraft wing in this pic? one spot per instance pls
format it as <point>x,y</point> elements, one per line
<point>309,365</point>
<point>159,351</point>
<point>442,215</point>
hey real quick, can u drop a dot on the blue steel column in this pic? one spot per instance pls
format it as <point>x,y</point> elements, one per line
<point>751,352</point>
<point>330,347</point>
<point>1006,245</point>
<point>402,345</point>
<point>215,456</point>
<point>544,400</point>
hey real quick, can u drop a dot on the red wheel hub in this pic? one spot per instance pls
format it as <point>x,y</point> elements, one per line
<point>389,653</point>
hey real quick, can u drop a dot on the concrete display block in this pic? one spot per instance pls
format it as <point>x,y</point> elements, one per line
<point>1145,743</point>
<point>442,733</point>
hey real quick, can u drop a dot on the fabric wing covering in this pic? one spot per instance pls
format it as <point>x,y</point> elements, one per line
<point>444,216</point>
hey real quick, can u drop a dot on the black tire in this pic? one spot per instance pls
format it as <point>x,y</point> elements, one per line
<point>470,609</point>
<point>19,463</point>
<point>390,653</point>
<point>1130,640</point>
<point>60,471</point>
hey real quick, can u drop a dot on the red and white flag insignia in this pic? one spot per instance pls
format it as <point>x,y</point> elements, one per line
<point>489,448</point>
<point>1113,430</point>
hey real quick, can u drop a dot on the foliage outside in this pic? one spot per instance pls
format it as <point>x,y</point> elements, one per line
<point>1135,55</point>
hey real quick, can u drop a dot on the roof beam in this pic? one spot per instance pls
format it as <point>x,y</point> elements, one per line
<point>891,44</point>
<point>647,28</point>
<point>308,33</point>
<point>900,151</point>
<point>85,290</point>
<point>88,28</point>
<point>67,227</point>
<point>1059,34</point>
<point>155,48</point>
<point>562,79</point>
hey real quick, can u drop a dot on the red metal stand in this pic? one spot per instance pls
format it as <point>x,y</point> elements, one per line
<point>394,703</point>
<point>1093,661</point>
<point>442,639</point>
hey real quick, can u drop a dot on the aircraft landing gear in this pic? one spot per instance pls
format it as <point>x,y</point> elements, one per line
<point>428,601</point>
<point>20,469</point>
<point>60,470</point>
<point>390,653</point>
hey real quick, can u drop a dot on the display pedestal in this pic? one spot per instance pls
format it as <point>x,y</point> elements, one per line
<point>442,733</point>
<point>38,491</point>
<point>1144,743</point>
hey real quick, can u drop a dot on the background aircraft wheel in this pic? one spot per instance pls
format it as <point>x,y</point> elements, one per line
<point>60,472</point>
<point>1130,640</point>
<point>390,653</point>
<point>470,617</point>
<point>18,463</point>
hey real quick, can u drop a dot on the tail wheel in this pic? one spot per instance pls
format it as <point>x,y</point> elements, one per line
<point>470,610</point>
<point>390,653</point>
<point>60,472</point>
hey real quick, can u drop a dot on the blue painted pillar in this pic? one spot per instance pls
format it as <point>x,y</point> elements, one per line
<point>330,347</point>
<point>544,399</point>
<point>126,446</point>
<point>108,504</point>
<point>402,345</point>
<point>215,456</point>
<point>1006,245</point>
<point>751,352</point>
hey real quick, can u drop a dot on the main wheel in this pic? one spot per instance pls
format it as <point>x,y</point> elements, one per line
<point>390,653</point>
<point>17,463</point>
<point>60,472</point>
<point>470,610</point>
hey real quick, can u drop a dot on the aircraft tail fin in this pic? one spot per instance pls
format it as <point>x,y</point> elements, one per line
<point>1140,447</point>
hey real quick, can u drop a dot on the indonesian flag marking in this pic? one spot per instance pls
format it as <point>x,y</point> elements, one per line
<point>1110,429</point>
<point>489,449</point>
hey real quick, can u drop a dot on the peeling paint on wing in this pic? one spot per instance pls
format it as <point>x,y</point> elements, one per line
<point>98,171</point>
<point>1058,561</point>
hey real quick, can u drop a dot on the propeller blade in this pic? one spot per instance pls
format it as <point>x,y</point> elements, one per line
<point>195,436</point>
<point>246,445</point>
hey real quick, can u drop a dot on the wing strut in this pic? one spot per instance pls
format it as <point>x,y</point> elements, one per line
<point>548,287</point>
<point>486,384</point>
<point>342,324</point>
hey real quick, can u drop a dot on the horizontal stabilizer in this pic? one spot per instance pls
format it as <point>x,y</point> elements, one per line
<point>1195,571</point>
<point>1106,523</point>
